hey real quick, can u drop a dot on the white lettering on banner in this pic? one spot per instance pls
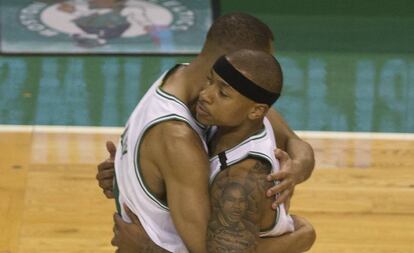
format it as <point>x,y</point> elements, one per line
<point>29,18</point>
<point>393,89</point>
<point>185,17</point>
<point>292,101</point>
<point>364,95</point>
<point>317,94</point>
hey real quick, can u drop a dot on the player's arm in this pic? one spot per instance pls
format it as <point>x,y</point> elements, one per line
<point>131,237</point>
<point>300,151</point>
<point>236,196</point>
<point>298,241</point>
<point>296,158</point>
<point>185,170</point>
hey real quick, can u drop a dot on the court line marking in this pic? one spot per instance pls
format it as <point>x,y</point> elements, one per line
<point>118,130</point>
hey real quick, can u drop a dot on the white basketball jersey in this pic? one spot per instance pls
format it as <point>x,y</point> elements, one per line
<point>155,107</point>
<point>260,145</point>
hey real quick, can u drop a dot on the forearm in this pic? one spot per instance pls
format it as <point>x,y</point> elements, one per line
<point>191,224</point>
<point>300,240</point>
<point>131,237</point>
<point>189,204</point>
<point>190,208</point>
<point>299,151</point>
<point>185,169</point>
<point>302,156</point>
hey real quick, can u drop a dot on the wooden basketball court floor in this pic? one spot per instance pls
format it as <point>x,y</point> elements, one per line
<point>360,197</point>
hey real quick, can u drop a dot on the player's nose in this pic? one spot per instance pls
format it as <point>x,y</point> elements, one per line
<point>206,94</point>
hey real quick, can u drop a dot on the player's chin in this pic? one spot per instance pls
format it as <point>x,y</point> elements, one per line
<point>204,119</point>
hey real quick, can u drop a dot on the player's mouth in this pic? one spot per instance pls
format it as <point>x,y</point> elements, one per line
<point>201,109</point>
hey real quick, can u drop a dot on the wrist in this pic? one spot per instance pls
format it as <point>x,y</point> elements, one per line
<point>297,170</point>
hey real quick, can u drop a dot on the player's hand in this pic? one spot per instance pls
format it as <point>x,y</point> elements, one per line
<point>127,235</point>
<point>131,237</point>
<point>106,171</point>
<point>287,177</point>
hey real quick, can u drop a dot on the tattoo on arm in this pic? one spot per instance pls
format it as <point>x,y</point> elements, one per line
<point>235,198</point>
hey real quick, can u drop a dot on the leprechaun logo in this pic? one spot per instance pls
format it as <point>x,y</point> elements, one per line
<point>94,23</point>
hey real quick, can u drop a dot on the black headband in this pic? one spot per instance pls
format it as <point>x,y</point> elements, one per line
<point>239,82</point>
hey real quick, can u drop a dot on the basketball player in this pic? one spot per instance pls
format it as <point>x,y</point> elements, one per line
<point>162,149</point>
<point>241,88</point>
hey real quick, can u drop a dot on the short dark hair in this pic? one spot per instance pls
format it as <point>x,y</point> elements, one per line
<point>237,30</point>
<point>260,67</point>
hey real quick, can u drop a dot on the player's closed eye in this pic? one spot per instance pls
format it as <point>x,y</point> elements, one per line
<point>223,94</point>
<point>209,80</point>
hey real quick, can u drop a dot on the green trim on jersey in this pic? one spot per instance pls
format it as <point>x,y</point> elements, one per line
<point>138,173</point>
<point>259,135</point>
<point>173,98</point>
<point>116,195</point>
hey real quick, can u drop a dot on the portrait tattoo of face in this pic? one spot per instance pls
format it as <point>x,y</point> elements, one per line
<point>231,228</point>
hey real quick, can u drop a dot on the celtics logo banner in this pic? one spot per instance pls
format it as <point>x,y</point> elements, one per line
<point>104,26</point>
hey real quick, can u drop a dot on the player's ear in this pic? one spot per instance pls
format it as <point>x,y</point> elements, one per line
<point>258,111</point>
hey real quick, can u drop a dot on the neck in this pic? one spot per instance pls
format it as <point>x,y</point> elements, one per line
<point>229,137</point>
<point>186,83</point>
<point>195,76</point>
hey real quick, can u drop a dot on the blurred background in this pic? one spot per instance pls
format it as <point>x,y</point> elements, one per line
<point>349,65</point>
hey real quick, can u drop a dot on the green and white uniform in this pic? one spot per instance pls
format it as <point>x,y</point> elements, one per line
<point>155,107</point>
<point>261,146</point>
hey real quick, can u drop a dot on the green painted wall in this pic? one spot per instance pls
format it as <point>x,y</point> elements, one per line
<point>335,25</point>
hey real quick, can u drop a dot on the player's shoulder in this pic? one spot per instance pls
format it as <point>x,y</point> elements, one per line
<point>176,142</point>
<point>172,136</point>
<point>174,130</point>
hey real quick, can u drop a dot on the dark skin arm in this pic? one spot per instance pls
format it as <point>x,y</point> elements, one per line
<point>131,237</point>
<point>184,162</point>
<point>185,170</point>
<point>296,158</point>
<point>176,151</point>
<point>298,241</point>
